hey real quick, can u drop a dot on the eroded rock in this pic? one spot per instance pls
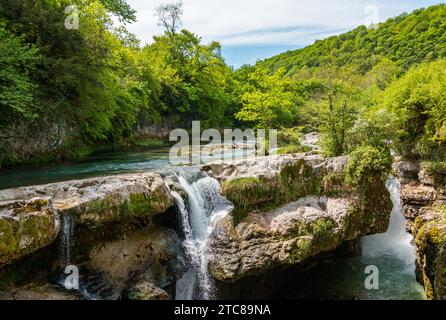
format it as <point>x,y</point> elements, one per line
<point>152,255</point>
<point>423,200</point>
<point>26,226</point>
<point>288,209</point>
<point>147,291</point>
<point>286,236</point>
<point>102,199</point>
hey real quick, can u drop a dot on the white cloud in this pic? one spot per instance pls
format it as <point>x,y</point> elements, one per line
<point>248,22</point>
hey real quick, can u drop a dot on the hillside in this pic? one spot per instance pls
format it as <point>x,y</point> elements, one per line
<point>406,40</point>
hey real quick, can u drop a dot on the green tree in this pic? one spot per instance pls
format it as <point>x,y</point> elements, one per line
<point>416,104</point>
<point>17,63</point>
<point>334,103</point>
<point>269,101</point>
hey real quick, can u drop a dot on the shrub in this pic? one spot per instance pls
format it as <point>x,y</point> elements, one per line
<point>367,163</point>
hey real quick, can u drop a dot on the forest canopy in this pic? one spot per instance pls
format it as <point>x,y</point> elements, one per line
<point>66,91</point>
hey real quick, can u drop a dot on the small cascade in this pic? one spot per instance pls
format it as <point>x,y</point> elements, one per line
<point>66,239</point>
<point>393,253</point>
<point>204,206</point>
<point>396,241</point>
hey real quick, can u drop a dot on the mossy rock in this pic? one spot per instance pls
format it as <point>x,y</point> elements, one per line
<point>430,238</point>
<point>118,208</point>
<point>248,194</point>
<point>26,227</point>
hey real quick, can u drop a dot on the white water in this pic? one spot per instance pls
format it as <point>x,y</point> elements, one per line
<point>66,239</point>
<point>396,241</point>
<point>205,206</point>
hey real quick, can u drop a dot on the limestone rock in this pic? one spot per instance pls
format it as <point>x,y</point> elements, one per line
<point>311,140</point>
<point>26,226</point>
<point>147,291</point>
<point>36,292</point>
<point>406,170</point>
<point>286,236</point>
<point>151,255</point>
<point>102,199</point>
<point>315,212</point>
<point>430,238</point>
<point>265,167</point>
<point>423,200</point>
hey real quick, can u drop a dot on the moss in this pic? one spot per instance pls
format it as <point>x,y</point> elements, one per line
<point>249,194</point>
<point>8,241</point>
<point>34,230</point>
<point>139,205</point>
<point>333,184</point>
<point>26,269</point>
<point>431,240</point>
<point>323,230</point>
<point>437,170</point>
<point>376,205</point>
<point>301,250</point>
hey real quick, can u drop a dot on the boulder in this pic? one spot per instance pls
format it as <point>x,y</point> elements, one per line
<point>286,236</point>
<point>264,167</point>
<point>311,140</point>
<point>26,226</point>
<point>287,209</point>
<point>102,199</point>
<point>146,291</point>
<point>152,255</point>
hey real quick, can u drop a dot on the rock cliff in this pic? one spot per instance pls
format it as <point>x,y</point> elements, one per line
<point>423,196</point>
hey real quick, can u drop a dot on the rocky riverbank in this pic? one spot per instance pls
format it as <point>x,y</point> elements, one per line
<point>287,209</point>
<point>423,195</point>
<point>121,250</point>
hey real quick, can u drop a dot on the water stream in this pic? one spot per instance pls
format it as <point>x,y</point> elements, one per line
<point>66,240</point>
<point>204,206</point>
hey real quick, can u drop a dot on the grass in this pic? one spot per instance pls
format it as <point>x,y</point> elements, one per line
<point>291,149</point>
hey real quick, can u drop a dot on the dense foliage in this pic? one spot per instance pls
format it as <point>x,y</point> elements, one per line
<point>63,90</point>
<point>67,88</point>
<point>406,40</point>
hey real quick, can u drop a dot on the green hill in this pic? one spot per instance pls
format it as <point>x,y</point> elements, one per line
<point>407,39</point>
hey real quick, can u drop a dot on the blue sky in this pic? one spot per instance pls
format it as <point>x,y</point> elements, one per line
<point>256,29</point>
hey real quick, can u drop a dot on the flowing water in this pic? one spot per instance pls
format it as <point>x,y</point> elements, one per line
<point>391,252</point>
<point>108,163</point>
<point>66,239</point>
<point>204,207</point>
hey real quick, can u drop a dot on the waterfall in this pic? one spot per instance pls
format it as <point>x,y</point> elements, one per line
<point>204,206</point>
<point>66,239</point>
<point>396,241</point>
